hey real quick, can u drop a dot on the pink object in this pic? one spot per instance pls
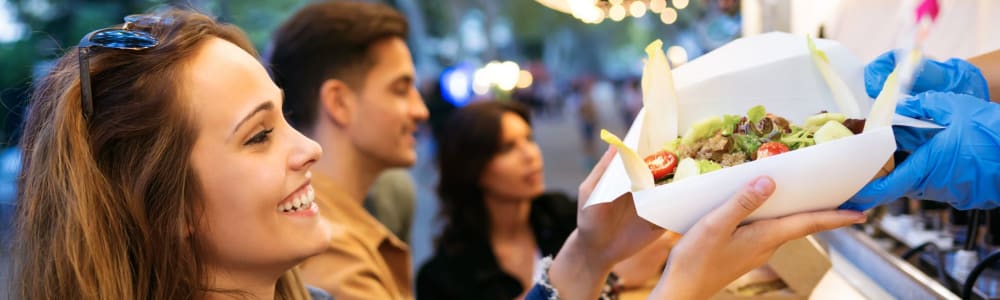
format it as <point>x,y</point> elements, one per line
<point>928,8</point>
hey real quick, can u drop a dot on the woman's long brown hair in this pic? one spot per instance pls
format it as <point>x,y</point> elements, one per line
<point>107,203</point>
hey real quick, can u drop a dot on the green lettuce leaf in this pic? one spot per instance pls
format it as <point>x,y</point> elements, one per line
<point>705,166</point>
<point>756,113</point>
<point>747,143</point>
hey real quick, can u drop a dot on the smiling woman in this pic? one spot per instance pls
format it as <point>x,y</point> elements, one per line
<point>149,175</point>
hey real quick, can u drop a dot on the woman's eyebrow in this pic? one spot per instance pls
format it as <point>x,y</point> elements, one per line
<point>266,105</point>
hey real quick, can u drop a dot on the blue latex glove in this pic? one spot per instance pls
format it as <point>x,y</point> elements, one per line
<point>959,165</point>
<point>954,75</point>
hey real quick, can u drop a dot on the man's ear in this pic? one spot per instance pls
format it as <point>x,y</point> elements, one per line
<point>336,102</point>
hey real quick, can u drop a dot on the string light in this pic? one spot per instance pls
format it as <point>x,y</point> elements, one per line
<point>680,4</point>
<point>657,6</point>
<point>668,16</point>
<point>616,13</point>
<point>590,12</point>
<point>637,9</point>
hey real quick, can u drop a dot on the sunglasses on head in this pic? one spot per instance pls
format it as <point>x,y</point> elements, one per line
<point>127,37</point>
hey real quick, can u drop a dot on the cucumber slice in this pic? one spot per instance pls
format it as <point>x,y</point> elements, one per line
<point>686,168</point>
<point>705,166</point>
<point>830,131</point>
<point>816,121</point>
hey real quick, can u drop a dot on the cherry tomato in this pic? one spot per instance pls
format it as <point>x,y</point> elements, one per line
<point>771,149</point>
<point>661,163</point>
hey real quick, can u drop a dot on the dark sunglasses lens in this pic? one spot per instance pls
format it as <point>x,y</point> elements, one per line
<point>123,39</point>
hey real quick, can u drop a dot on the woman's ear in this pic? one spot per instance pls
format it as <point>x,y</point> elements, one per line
<point>336,102</point>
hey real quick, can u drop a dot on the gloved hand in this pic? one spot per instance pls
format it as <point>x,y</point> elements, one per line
<point>954,75</point>
<point>959,165</point>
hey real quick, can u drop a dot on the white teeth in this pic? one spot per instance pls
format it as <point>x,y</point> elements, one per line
<point>301,202</point>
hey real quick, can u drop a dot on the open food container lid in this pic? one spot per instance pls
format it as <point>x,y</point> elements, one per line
<point>775,70</point>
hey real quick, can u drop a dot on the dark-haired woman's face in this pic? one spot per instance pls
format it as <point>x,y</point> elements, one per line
<point>515,172</point>
<point>252,166</point>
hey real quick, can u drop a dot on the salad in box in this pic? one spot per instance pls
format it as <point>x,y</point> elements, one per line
<point>774,104</point>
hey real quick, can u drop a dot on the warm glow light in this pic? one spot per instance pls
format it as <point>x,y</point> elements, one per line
<point>637,9</point>
<point>524,79</point>
<point>593,15</point>
<point>616,2</point>
<point>657,6</point>
<point>668,16</point>
<point>677,55</point>
<point>680,4</point>
<point>507,75</point>
<point>616,13</point>
<point>481,82</point>
<point>580,8</point>
<point>599,17</point>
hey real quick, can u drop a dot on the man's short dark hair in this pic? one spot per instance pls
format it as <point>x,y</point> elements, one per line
<point>327,40</point>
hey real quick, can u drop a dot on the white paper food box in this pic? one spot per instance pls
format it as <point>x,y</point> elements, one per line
<point>774,70</point>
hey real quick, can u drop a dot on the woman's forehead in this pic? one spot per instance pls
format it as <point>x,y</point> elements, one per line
<point>225,82</point>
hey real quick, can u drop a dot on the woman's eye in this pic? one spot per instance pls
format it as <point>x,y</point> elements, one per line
<point>506,147</point>
<point>260,137</point>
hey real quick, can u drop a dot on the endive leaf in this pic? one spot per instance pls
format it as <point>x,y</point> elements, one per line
<point>841,93</point>
<point>659,100</point>
<point>636,168</point>
<point>885,104</point>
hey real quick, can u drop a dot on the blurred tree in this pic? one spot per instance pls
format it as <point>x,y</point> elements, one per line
<point>54,26</point>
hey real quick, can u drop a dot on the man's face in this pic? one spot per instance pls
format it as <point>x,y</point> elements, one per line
<point>388,107</point>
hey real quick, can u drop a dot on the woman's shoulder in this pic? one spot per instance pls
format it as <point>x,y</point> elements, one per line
<point>433,266</point>
<point>458,276</point>
<point>446,263</point>
<point>553,217</point>
<point>555,204</point>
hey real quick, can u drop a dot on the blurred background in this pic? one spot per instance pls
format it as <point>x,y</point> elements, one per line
<point>576,63</point>
<point>577,68</point>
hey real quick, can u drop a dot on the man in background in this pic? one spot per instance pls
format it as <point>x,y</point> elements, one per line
<point>348,79</point>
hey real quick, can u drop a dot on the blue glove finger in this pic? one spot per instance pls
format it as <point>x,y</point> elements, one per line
<point>903,179</point>
<point>877,71</point>
<point>954,75</point>
<point>930,106</point>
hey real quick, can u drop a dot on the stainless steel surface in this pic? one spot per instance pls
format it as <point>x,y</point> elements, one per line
<point>897,277</point>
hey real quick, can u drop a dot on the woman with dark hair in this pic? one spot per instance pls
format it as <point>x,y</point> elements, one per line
<point>498,221</point>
